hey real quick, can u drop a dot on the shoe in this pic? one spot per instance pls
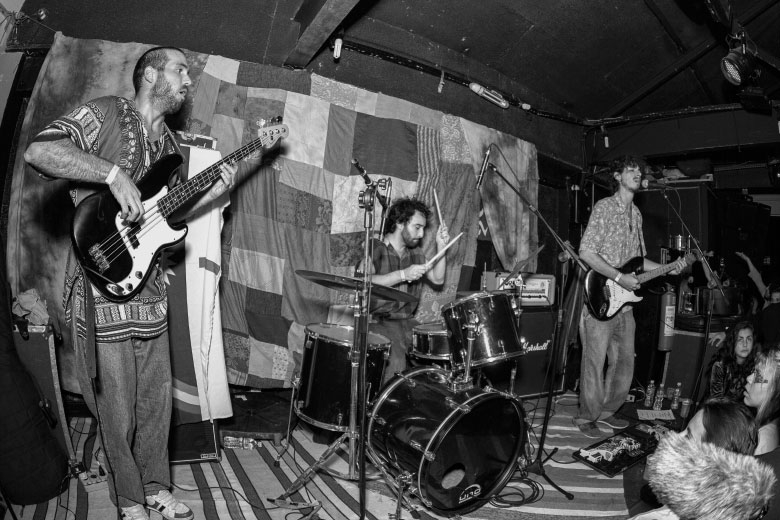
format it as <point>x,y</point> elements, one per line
<point>165,504</point>
<point>614,422</point>
<point>589,429</point>
<point>137,512</point>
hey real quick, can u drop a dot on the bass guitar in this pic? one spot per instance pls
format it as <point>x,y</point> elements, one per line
<point>605,297</point>
<point>117,256</point>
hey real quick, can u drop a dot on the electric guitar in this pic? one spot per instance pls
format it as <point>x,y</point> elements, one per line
<point>605,297</point>
<point>117,256</point>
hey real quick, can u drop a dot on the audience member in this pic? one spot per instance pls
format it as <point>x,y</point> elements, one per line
<point>762,392</point>
<point>720,422</point>
<point>733,363</point>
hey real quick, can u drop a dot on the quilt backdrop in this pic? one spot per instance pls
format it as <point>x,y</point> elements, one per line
<point>296,207</point>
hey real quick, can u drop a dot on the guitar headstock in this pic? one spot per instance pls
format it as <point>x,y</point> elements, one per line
<point>270,134</point>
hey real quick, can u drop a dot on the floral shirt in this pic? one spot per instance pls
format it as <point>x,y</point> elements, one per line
<point>614,231</point>
<point>110,127</point>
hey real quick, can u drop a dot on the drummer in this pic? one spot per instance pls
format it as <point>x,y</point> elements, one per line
<point>399,262</point>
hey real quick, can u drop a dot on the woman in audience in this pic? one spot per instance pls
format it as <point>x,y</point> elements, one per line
<point>762,392</point>
<point>733,363</point>
<point>722,423</point>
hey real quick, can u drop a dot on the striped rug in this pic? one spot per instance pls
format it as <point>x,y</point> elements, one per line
<point>238,487</point>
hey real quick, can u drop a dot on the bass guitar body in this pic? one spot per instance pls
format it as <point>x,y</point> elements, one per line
<point>605,297</point>
<point>117,256</point>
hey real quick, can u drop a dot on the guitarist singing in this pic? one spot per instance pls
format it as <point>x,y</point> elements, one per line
<point>123,365</point>
<point>613,236</point>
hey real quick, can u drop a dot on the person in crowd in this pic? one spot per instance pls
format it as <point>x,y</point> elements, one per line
<point>733,363</point>
<point>768,315</point>
<point>722,433</point>
<point>762,393</point>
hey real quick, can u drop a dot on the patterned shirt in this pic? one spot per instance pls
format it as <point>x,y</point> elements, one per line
<point>614,232</point>
<point>386,260</point>
<point>111,128</point>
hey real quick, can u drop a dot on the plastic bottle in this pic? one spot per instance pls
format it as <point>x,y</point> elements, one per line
<point>659,398</point>
<point>650,394</point>
<point>676,397</point>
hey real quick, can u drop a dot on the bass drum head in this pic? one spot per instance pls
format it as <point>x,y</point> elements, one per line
<point>461,447</point>
<point>475,456</point>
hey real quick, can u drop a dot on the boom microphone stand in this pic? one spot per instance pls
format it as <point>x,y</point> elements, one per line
<point>537,466</point>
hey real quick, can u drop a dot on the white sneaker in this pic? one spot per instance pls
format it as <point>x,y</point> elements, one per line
<point>137,512</point>
<point>165,504</point>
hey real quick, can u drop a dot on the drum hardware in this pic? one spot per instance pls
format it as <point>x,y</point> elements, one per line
<point>402,482</point>
<point>296,380</point>
<point>364,290</point>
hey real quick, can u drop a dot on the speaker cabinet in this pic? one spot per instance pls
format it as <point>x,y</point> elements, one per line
<point>193,442</point>
<point>533,371</point>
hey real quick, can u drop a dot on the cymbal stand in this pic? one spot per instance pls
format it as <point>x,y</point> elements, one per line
<point>355,433</point>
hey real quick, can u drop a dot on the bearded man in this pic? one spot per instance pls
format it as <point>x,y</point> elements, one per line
<point>124,367</point>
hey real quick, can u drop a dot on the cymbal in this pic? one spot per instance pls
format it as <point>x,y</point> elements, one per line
<point>347,284</point>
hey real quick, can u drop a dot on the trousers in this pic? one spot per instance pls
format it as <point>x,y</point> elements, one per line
<point>612,341</point>
<point>132,400</point>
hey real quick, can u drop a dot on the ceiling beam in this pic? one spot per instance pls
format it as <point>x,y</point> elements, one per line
<point>682,63</point>
<point>319,20</point>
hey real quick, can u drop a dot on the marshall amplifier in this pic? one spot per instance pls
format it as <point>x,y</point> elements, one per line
<point>536,290</point>
<point>533,373</point>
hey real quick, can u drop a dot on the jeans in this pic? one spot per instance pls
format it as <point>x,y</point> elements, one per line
<point>612,340</point>
<point>132,402</point>
<point>399,332</point>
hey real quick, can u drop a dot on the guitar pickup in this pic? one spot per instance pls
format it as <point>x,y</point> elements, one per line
<point>132,236</point>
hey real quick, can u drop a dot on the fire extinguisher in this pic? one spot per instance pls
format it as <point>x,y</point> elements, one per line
<point>666,326</point>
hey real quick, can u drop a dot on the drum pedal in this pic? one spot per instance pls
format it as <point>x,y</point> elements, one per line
<point>288,504</point>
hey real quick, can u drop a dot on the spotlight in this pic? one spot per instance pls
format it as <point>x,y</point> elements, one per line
<point>736,66</point>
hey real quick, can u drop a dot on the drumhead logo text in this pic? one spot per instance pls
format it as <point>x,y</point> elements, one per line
<point>535,347</point>
<point>473,491</point>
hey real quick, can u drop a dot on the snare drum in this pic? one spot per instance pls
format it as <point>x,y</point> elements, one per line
<point>460,447</point>
<point>326,374</point>
<point>497,336</point>
<point>431,341</point>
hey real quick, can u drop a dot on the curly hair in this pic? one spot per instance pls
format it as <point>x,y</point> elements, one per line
<point>620,164</point>
<point>402,210</point>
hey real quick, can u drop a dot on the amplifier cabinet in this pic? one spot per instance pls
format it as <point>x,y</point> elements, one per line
<point>533,371</point>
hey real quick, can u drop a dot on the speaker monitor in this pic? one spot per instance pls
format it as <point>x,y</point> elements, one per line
<point>533,373</point>
<point>193,442</point>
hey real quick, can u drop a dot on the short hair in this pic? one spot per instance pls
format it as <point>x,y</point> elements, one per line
<point>620,164</point>
<point>402,210</point>
<point>768,363</point>
<point>730,425</point>
<point>156,57</point>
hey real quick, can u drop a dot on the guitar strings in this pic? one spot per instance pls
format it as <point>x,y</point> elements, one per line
<point>114,243</point>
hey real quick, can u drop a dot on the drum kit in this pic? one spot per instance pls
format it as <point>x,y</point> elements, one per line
<point>431,430</point>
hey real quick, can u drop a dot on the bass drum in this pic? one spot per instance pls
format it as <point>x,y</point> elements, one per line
<point>460,447</point>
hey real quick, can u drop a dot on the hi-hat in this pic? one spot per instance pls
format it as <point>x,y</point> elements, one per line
<point>347,284</point>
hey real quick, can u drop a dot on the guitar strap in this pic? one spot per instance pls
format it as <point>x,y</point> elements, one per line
<point>90,343</point>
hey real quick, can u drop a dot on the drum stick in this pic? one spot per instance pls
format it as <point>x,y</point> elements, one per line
<point>436,258</point>
<point>438,208</point>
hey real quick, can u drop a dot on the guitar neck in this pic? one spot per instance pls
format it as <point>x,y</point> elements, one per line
<point>658,271</point>
<point>182,193</point>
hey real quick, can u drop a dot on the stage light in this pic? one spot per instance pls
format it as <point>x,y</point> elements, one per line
<point>736,66</point>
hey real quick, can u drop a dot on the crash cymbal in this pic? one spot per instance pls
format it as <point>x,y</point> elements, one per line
<point>347,284</point>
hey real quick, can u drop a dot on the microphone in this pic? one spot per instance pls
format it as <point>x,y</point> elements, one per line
<point>563,256</point>
<point>648,181</point>
<point>483,168</point>
<point>362,171</point>
<point>491,95</point>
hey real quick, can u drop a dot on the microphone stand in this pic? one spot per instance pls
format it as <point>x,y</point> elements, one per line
<point>710,302</point>
<point>537,466</point>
